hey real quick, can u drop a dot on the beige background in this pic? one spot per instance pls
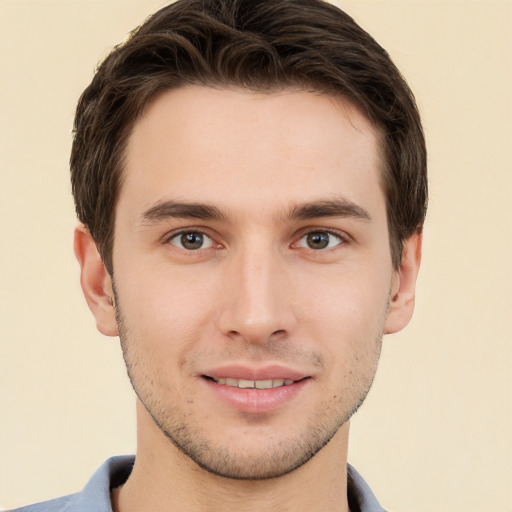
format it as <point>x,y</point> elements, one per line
<point>435,432</point>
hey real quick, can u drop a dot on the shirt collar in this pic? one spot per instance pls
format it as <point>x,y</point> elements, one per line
<point>115,471</point>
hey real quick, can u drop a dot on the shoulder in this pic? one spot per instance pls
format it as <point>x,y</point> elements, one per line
<point>61,504</point>
<point>95,496</point>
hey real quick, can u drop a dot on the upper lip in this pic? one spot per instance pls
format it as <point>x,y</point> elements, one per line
<point>248,373</point>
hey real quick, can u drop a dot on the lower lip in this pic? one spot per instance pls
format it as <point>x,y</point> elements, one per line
<point>253,400</point>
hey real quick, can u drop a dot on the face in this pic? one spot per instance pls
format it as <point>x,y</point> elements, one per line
<point>252,272</point>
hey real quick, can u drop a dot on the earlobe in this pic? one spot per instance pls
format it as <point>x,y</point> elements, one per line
<point>403,293</point>
<point>95,281</point>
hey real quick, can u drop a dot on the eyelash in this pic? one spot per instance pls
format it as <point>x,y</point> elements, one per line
<point>342,239</point>
<point>177,235</point>
<point>330,233</point>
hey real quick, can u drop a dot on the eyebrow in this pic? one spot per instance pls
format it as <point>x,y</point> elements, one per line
<point>181,210</point>
<point>339,207</point>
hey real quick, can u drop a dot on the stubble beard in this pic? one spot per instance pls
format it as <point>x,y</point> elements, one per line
<point>272,462</point>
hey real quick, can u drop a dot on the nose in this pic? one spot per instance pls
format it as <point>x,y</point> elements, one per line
<point>257,302</point>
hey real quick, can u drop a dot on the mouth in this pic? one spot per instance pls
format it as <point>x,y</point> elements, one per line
<point>255,391</point>
<point>253,384</point>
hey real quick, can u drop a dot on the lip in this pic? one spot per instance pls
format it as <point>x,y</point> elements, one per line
<point>255,401</point>
<point>263,373</point>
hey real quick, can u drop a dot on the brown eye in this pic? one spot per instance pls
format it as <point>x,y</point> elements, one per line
<point>191,240</point>
<point>318,240</point>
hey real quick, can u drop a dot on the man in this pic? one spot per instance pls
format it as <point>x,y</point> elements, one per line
<point>251,181</point>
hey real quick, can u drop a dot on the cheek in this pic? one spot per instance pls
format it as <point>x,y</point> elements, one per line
<point>163,311</point>
<point>351,334</point>
<point>351,298</point>
<point>348,316</point>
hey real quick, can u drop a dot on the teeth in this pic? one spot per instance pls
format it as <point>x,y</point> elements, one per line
<point>245,383</point>
<point>254,384</point>
<point>264,384</point>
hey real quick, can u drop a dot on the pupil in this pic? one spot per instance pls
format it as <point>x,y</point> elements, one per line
<point>192,240</point>
<point>318,240</point>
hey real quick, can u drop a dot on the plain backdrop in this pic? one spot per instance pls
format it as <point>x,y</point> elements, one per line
<point>435,431</point>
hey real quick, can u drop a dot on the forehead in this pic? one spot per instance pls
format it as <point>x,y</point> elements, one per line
<point>240,149</point>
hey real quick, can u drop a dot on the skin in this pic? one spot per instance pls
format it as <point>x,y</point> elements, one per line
<point>283,173</point>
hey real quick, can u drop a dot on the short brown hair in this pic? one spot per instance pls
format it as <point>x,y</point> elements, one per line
<point>260,45</point>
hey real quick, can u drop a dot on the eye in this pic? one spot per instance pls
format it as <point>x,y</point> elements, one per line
<point>191,240</point>
<point>318,240</point>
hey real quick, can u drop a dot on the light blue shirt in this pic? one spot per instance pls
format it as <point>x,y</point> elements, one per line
<point>95,497</point>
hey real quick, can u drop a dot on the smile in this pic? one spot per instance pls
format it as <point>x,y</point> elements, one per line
<point>255,390</point>
<point>254,384</point>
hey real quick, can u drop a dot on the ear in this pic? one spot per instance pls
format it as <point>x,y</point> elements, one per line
<point>95,281</point>
<point>403,290</point>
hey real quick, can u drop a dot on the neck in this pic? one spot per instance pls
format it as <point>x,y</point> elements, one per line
<point>164,479</point>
